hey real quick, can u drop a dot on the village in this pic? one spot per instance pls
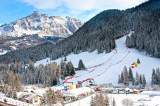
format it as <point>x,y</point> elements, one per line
<point>68,92</point>
<point>78,84</point>
<point>80,53</point>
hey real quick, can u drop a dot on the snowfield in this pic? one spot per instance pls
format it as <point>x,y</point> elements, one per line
<point>2,52</point>
<point>82,102</point>
<point>105,68</point>
<point>136,99</point>
<point>12,101</point>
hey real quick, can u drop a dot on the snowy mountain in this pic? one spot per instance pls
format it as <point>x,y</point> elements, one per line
<point>105,68</point>
<point>100,33</point>
<point>41,24</point>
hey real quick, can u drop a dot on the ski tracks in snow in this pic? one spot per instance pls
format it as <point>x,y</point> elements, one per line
<point>104,63</point>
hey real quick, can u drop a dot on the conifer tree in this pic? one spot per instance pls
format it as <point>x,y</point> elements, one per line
<point>137,80</point>
<point>81,66</point>
<point>126,75</point>
<point>154,81</point>
<point>158,76</point>
<point>72,69</point>
<point>155,77</point>
<point>65,58</point>
<point>122,77</point>
<point>119,79</point>
<point>69,69</point>
<point>138,61</point>
<point>144,80</point>
<point>131,77</point>
<point>140,80</point>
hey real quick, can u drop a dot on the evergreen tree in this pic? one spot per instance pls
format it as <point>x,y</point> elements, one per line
<point>137,80</point>
<point>122,77</point>
<point>81,66</point>
<point>138,61</point>
<point>158,76</point>
<point>144,80</point>
<point>126,75</point>
<point>154,78</point>
<point>119,79</point>
<point>72,69</point>
<point>63,69</point>
<point>65,58</point>
<point>131,77</point>
<point>140,79</point>
<point>69,69</point>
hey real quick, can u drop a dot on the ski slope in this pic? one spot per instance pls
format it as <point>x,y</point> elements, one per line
<point>105,68</point>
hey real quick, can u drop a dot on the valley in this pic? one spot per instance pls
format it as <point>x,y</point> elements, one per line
<point>112,59</point>
<point>9,45</point>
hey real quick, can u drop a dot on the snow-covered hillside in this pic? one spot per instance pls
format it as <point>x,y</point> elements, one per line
<point>105,68</point>
<point>41,24</point>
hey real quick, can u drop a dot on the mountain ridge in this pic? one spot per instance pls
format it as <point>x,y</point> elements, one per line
<point>100,33</point>
<point>41,24</point>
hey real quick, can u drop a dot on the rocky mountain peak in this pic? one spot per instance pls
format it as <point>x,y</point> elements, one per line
<point>41,24</point>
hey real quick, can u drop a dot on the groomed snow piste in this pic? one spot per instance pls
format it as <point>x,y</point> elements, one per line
<point>105,68</point>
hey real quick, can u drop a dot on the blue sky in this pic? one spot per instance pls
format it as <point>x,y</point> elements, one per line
<point>11,10</point>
